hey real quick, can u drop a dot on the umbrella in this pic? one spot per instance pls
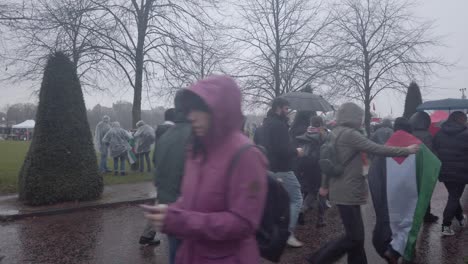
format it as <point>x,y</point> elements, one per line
<point>301,101</point>
<point>437,118</point>
<point>445,104</point>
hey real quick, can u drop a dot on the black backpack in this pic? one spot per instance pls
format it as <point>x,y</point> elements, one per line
<point>273,232</point>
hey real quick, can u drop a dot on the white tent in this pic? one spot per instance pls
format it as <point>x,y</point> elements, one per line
<point>28,124</point>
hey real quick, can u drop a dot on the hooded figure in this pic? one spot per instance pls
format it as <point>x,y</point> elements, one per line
<point>420,123</point>
<point>101,130</point>
<point>220,207</point>
<point>451,146</point>
<point>349,191</point>
<point>144,137</point>
<point>383,133</point>
<point>117,140</point>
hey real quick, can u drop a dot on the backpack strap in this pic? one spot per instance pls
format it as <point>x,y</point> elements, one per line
<point>352,157</point>
<point>233,162</point>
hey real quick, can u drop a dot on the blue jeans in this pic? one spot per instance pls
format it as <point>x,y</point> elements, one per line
<point>122,163</point>
<point>292,186</point>
<point>174,244</point>
<point>103,163</point>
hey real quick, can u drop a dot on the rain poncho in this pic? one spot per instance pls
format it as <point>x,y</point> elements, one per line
<point>144,138</point>
<point>101,130</point>
<point>117,138</point>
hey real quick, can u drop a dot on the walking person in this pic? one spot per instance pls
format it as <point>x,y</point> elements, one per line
<point>420,123</point>
<point>101,130</point>
<point>169,170</point>
<point>169,117</point>
<point>451,146</point>
<point>222,199</point>
<point>349,190</point>
<point>117,140</point>
<point>144,137</point>
<point>281,154</point>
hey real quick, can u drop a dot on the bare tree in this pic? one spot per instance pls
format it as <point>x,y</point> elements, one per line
<point>204,51</point>
<point>381,46</point>
<point>135,33</point>
<point>40,27</point>
<point>282,47</point>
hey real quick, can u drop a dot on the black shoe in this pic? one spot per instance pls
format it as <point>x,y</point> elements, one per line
<point>300,219</point>
<point>116,173</point>
<point>122,174</point>
<point>145,241</point>
<point>430,218</point>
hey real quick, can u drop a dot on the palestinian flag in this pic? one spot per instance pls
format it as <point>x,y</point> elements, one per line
<point>131,153</point>
<point>401,190</point>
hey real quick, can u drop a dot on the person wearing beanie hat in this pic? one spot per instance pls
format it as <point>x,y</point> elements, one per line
<point>349,191</point>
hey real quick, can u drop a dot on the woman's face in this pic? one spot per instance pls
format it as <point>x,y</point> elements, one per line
<point>201,122</point>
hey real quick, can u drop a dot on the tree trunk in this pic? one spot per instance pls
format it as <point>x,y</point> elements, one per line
<point>367,115</point>
<point>139,65</point>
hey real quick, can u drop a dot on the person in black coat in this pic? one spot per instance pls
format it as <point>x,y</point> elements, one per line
<point>169,121</point>
<point>451,146</point>
<point>420,122</point>
<point>281,153</point>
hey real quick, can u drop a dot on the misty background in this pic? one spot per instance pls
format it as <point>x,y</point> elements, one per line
<point>108,91</point>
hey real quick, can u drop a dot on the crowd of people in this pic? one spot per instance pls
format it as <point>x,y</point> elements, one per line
<point>213,188</point>
<point>121,145</point>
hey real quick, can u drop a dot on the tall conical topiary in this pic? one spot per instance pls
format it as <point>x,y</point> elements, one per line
<point>61,162</point>
<point>413,100</point>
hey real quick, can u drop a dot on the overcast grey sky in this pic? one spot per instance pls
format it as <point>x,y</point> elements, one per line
<point>450,22</point>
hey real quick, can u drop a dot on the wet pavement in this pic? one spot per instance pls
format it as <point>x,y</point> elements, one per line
<point>111,235</point>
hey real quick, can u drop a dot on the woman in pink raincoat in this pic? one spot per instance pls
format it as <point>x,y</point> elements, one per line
<point>220,208</point>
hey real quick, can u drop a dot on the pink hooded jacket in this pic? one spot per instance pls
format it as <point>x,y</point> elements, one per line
<point>218,214</point>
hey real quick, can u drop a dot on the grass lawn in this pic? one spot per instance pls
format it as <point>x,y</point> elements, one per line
<point>12,154</point>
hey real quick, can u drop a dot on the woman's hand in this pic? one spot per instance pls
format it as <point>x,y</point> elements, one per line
<point>156,214</point>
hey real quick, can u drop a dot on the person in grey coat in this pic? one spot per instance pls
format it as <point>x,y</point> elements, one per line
<point>117,141</point>
<point>349,191</point>
<point>144,138</point>
<point>101,130</point>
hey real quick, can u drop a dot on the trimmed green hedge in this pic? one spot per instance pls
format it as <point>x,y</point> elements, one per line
<point>61,162</point>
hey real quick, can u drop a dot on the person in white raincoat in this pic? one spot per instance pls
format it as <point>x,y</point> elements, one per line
<point>117,140</point>
<point>101,130</point>
<point>144,138</point>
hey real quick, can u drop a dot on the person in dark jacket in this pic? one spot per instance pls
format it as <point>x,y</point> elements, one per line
<point>451,146</point>
<point>420,123</point>
<point>169,117</point>
<point>281,153</point>
<point>298,128</point>
<point>169,168</point>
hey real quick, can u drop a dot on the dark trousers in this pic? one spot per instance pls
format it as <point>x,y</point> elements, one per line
<point>141,159</point>
<point>352,243</point>
<point>453,208</point>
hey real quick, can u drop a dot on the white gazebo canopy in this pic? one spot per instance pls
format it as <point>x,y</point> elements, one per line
<point>28,124</point>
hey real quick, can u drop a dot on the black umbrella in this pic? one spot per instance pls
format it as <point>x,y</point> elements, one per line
<point>301,101</point>
<point>445,104</point>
